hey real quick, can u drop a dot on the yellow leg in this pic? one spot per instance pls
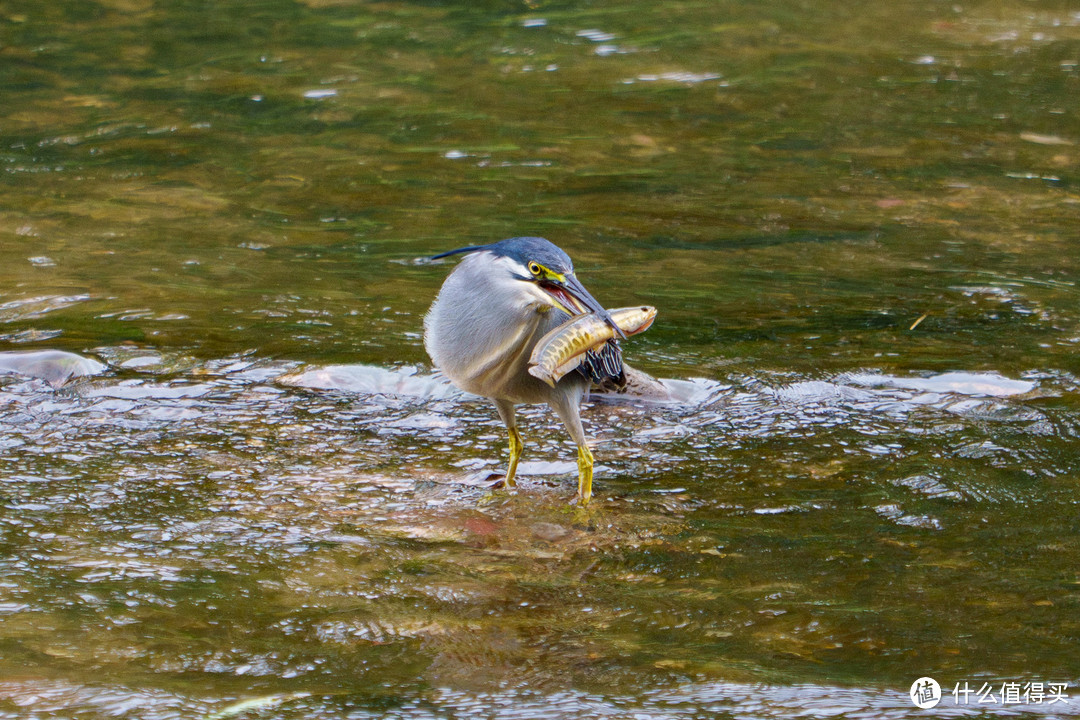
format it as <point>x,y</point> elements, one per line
<point>584,466</point>
<point>516,446</point>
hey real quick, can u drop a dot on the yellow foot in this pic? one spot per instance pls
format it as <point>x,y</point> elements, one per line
<point>584,484</point>
<point>516,446</point>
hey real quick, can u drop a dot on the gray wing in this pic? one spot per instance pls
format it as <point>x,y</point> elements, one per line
<point>604,367</point>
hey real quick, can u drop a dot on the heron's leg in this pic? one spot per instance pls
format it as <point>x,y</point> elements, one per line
<point>506,412</point>
<point>584,466</point>
<point>567,407</point>
<point>516,446</point>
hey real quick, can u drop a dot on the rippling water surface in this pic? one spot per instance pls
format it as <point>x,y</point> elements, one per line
<point>232,486</point>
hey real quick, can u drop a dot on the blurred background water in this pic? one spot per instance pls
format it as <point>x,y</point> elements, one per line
<point>858,223</point>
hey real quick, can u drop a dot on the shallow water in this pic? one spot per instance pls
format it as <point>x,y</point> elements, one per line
<point>252,498</point>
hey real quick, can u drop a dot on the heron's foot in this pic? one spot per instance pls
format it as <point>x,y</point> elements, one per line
<point>516,446</point>
<point>585,468</point>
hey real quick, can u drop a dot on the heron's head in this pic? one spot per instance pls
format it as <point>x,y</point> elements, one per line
<point>545,271</point>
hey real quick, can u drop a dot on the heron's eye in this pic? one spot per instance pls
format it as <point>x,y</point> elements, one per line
<point>534,268</point>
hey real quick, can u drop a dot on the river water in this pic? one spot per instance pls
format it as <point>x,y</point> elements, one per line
<point>248,495</point>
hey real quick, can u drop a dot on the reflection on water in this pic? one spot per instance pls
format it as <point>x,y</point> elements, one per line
<point>229,483</point>
<point>312,520</point>
<point>719,700</point>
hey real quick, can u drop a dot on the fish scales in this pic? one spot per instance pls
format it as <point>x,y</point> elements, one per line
<point>562,349</point>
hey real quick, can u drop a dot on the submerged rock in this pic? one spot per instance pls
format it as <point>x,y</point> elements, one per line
<point>642,387</point>
<point>410,382</point>
<point>373,380</point>
<point>961,383</point>
<point>55,367</point>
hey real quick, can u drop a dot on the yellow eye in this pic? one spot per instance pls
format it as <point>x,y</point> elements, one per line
<point>534,268</point>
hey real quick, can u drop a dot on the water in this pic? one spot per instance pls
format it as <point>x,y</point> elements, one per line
<point>858,229</point>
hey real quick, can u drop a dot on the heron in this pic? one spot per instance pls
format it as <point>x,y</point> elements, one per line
<point>490,313</point>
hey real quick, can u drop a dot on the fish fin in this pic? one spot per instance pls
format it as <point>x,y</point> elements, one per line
<point>604,366</point>
<point>540,374</point>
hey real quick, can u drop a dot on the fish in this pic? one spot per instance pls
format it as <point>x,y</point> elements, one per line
<point>562,349</point>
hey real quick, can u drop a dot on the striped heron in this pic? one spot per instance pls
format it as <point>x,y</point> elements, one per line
<point>490,313</point>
